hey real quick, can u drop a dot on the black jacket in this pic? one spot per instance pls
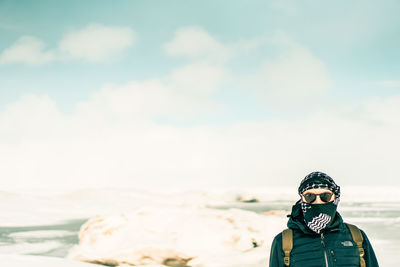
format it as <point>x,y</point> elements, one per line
<point>334,246</point>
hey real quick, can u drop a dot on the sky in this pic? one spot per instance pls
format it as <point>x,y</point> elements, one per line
<point>198,94</point>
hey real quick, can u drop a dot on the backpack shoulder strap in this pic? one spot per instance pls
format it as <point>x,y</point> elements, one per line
<point>358,238</point>
<point>287,245</point>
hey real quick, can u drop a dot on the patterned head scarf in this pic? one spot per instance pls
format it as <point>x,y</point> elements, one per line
<point>319,180</point>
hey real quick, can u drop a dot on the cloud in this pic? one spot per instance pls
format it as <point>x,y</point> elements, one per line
<point>40,110</point>
<point>197,44</point>
<point>295,74</point>
<point>199,78</point>
<point>112,147</point>
<point>380,111</point>
<point>28,50</point>
<point>94,43</point>
<point>145,101</point>
<point>97,42</point>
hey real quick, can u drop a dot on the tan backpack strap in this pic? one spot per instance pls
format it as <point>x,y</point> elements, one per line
<point>358,238</point>
<point>287,245</point>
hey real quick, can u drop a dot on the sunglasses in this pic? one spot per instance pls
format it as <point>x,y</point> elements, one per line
<point>310,198</point>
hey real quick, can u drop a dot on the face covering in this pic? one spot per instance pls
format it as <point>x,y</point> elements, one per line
<point>318,216</point>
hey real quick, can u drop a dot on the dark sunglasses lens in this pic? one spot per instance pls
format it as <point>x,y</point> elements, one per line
<point>326,197</point>
<point>309,198</point>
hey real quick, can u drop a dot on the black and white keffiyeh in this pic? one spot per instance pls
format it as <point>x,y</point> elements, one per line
<point>318,216</point>
<point>319,180</point>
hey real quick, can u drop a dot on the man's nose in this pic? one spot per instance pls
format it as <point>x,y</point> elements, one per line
<point>318,200</point>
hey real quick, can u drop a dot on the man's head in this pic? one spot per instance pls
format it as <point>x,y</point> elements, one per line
<point>320,196</point>
<point>319,188</point>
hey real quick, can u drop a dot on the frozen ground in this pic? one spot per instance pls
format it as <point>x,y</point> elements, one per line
<point>48,223</point>
<point>25,261</point>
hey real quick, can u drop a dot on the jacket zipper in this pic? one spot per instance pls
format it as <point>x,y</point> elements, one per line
<point>323,245</point>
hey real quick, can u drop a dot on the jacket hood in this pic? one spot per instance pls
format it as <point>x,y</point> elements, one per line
<point>296,221</point>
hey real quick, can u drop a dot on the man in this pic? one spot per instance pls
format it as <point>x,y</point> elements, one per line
<point>317,235</point>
